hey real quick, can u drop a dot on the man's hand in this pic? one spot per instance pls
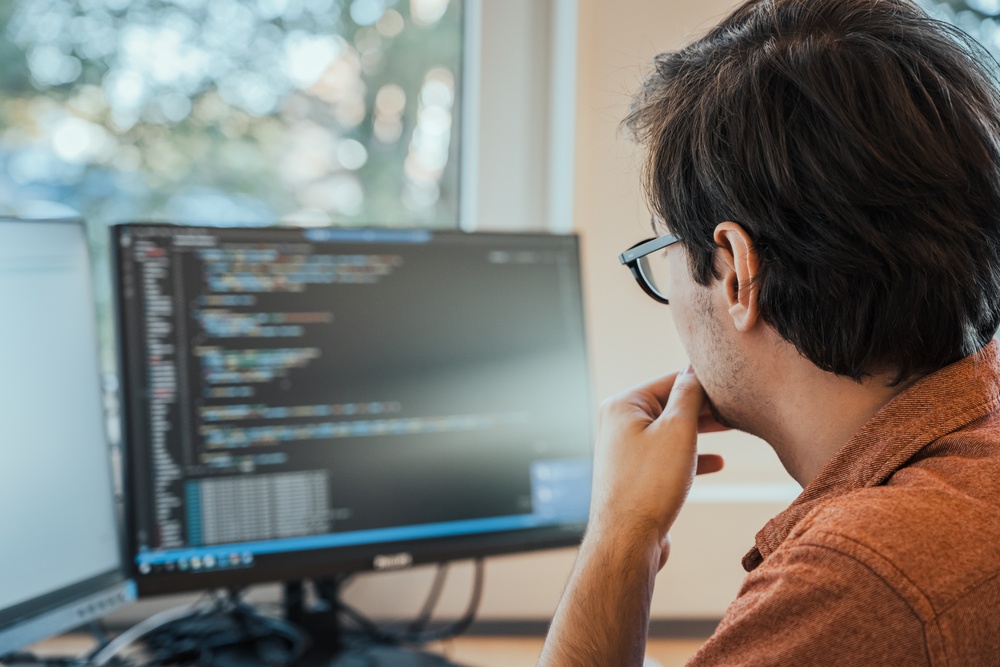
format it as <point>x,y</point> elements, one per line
<point>644,462</point>
<point>645,458</point>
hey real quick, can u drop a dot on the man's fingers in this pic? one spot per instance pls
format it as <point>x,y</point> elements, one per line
<point>687,398</point>
<point>676,394</point>
<point>657,389</point>
<point>709,463</point>
<point>647,399</point>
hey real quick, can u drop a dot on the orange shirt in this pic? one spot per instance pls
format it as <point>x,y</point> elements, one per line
<point>891,555</point>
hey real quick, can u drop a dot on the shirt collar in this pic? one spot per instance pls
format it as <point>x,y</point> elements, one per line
<point>934,406</point>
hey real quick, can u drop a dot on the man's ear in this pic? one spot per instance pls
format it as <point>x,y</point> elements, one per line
<point>737,260</point>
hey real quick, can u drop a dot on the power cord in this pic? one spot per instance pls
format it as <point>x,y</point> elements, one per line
<point>427,611</point>
<point>385,635</point>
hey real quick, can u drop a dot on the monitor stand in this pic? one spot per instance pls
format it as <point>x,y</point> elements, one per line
<point>332,646</point>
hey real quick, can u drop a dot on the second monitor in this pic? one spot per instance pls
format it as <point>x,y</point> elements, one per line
<point>307,402</point>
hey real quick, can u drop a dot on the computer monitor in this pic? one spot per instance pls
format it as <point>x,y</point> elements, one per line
<point>304,402</point>
<point>61,560</point>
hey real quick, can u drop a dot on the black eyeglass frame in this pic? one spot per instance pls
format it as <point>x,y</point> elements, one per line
<point>631,257</point>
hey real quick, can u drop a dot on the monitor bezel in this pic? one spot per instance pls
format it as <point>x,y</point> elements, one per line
<point>326,562</point>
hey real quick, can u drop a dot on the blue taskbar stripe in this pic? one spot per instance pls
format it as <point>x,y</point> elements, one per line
<point>369,235</point>
<point>354,538</point>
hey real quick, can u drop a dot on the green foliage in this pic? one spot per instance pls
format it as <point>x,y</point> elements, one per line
<point>189,110</point>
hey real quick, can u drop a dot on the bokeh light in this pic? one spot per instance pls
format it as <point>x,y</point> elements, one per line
<point>979,18</point>
<point>150,109</point>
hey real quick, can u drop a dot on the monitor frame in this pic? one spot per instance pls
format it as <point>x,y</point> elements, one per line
<point>329,562</point>
<point>71,606</point>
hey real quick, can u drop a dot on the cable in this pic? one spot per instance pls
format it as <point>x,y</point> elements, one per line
<point>463,623</point>
<point>422,620</point>
<point>136,632</point>
<point>298,641</point>
<point>381,635</point>
<point>231,628</point>
<point>198,632</point>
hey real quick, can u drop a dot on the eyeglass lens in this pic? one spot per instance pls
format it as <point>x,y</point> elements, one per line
<point>656,270</point>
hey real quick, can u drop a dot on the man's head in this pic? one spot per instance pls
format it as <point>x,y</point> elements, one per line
<point>856,145</point>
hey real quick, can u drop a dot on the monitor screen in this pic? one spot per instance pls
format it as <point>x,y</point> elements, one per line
<point>306,402</point>
<point>60,563</point>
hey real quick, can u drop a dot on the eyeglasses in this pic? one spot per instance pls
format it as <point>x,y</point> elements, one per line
<point>650,271</point>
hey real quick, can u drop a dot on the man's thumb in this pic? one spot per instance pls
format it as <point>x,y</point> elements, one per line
<point>686,396</point>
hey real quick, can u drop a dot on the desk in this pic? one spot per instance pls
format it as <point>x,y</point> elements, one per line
<point>470,650</point>
<point>523,651</point>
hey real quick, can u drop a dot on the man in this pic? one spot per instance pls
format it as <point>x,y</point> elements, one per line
<point>825,176</point>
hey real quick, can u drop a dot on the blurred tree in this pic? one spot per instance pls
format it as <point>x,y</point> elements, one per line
<point>227,111</point>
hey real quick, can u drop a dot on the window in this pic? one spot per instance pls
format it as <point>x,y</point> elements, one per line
<point>979,18</point>
<point>231,111</point>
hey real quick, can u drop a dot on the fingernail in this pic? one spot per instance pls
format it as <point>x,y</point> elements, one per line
<point>689,370</point>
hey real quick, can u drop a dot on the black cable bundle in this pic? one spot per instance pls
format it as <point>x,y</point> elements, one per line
<point>230,633</point>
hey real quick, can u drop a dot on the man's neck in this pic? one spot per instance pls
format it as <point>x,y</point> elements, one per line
<point>813,413</point>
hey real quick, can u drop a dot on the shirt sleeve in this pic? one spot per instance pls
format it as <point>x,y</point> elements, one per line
<point>810,604</point>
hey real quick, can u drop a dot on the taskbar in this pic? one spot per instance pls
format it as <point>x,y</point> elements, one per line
<point>242,555</point>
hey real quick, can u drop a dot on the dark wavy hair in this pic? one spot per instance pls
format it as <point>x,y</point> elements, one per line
<point>858,144</point>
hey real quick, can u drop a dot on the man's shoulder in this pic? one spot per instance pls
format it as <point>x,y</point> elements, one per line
<point>898,574</point>
<point>932,533</point>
